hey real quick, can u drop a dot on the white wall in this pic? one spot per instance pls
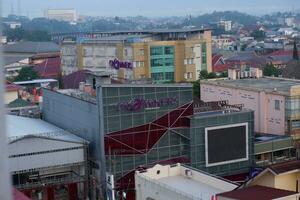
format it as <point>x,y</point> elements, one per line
<point>266,118</point>
<point>32,160</point>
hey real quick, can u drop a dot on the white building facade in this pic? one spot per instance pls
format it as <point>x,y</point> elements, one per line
<point>178,182</point>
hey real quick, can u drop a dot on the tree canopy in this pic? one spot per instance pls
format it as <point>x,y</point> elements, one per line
<point>19,34</point>
<point>270,70</point>
<point>27,74</point>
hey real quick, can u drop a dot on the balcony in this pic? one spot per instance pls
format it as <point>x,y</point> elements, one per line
<point>271,149</point>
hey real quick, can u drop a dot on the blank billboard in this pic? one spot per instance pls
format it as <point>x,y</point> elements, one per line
<point>226,144</point>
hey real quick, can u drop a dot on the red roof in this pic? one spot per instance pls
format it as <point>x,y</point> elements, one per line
<point>285,166</point>
<point>12,87</point>
<point>50,68</point>
<point>282,53</point>
<point>257,192</point>
<point>72,81</point>
<point>238,177</point>
<point>215,59</point>
<point>17,195</point>
<point>221,68</point>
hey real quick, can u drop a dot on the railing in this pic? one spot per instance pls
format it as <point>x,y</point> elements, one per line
<point>273,145</point>
<point>51,181</point>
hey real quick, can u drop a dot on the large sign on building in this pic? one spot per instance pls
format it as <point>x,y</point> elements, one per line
<point>226,144</point>
<point>117,64</point>
<point>138,104</point>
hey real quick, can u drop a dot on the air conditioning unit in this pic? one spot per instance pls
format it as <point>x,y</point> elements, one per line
<point>188,173</point>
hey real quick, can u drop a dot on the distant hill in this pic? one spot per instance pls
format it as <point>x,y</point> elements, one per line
<point>233,16</point>
<point>36,29</point>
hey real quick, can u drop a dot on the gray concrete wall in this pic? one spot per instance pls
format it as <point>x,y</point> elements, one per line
<point>74,115</point>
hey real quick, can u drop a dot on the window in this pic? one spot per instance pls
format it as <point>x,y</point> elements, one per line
<point>189,61</point>
<point>204,53</point>
<point>169,76</point>
<point>142,64</point>
<point>157,76</point>
<point>156,51</point>
<point>157,62</point>
<point>139,63</point>
<point>192,49</point>
<point>188,75</point>
<point>169,62</point>
<point>169,50</point>
<point>141,52</point>
<point>277,104</point>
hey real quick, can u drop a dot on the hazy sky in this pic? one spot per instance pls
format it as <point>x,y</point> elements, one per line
<point>34,8</point>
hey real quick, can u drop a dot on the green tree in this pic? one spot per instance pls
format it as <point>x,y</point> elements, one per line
<point>258,35</point>
<point>270,70</point>
<point>203,74</point>
<point>295,52</point>
<point>196,88</point>
<point>19,34</point>
<point>27,74</point>
<point>212,75</point>
<point>223,74</point>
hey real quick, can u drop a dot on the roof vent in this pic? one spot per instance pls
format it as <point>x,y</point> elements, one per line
<point>188,173</point>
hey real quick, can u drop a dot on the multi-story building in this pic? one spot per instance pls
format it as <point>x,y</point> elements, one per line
<point>227,25</point>
<point>163,55</point>
<point>69,15</point>
<point>133,126</point>
<point>275,101</point>
<point>224,43</point>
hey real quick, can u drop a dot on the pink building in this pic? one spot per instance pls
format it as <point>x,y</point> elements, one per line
<point>275,101</point>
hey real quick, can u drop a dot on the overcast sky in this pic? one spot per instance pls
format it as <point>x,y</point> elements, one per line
<point>35,8</point>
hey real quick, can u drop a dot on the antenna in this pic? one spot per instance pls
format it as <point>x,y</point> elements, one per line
<point>12,9</point>
<point>19,8</point>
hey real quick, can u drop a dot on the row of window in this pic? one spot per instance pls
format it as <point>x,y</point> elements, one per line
<point>188,75</point>
<point>161,51</point>
<point>166,76</point>
<point>139,64</point>
<point>204,56</point>
<point>189,61</point>
<point>160,62</point>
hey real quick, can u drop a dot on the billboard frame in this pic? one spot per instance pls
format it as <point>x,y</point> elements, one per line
<point>229,161</point>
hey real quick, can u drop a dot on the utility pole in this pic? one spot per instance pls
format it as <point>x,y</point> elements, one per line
<point>5,185</point>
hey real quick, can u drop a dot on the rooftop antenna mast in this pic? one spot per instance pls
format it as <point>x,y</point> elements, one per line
<point>19,8</point>
<point>12,9</point>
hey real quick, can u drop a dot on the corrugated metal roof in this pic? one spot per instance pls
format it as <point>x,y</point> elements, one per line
<point>19,127</point>
<point>35,81</point>
<point>285,167</point>
<point>49,68</point>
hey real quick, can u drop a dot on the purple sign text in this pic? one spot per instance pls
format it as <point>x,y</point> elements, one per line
<point>120,64</point>
<point>138,104</point>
